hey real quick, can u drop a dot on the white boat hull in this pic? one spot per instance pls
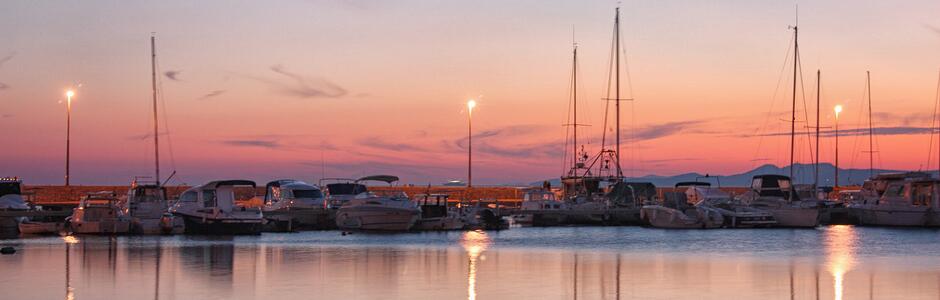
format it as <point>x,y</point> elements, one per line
<point>101,227</point>
<point>891,217</point>
<point>378,218</point>
<point>795,217</point>
<point>30,227</point>
<point>664,217</point>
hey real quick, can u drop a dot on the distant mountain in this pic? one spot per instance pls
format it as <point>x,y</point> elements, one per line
<point>803,173</point>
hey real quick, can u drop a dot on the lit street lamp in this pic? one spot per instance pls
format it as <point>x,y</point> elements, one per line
<point>68,132</point>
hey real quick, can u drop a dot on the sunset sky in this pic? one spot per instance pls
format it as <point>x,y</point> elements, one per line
<point>295,89</point>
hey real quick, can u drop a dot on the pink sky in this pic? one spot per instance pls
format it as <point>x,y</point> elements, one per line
<point>264,90</point>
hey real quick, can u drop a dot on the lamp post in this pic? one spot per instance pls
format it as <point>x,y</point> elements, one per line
<point>837,109</point>
<point>470,105</point>
<point>68,132</point>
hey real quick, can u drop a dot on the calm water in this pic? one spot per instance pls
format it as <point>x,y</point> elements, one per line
<point>838,262</point>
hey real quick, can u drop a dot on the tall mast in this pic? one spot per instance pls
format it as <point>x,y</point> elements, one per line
<point>796,51</point>
<point>574,97</point>
<point>617,82</point>
<point>153,82</point>
<point>871,131</point>
<point>816,177</point>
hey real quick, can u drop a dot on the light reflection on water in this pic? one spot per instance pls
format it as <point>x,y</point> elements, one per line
<point>837,262</point>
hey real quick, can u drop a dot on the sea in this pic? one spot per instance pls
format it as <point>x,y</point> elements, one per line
<point>829,262</point>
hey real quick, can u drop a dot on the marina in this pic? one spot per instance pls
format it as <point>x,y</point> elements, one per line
<point>470,150</point>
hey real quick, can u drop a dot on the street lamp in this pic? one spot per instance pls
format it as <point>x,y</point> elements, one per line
<point>68,132</point>
<point>470,105</point>
<point>837,109</point>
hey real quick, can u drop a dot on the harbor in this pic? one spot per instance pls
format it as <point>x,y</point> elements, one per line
<point>470,150</point>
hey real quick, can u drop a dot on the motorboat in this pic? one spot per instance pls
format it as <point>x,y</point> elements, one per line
<point>99,213</point>
<point>906,202</point>
<point>43,222</point>
<point>292,204</point>
<point>11,200</point>
<point>867,203</point>
<point>148,209</point>
<point>341,190</point>
<point>540,207</point>
<point>735,213</point>
<point>378,212</point>
<point>210,209</point>
<point>436,214</point>
<point>677,212</point>
<point>775,194</point>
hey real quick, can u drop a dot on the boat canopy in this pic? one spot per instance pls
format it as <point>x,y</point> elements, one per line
<point>345,188</point>
<point>234,182</point>
<point>773,186</point>
<point>692,184</point>
<point>383,178</point>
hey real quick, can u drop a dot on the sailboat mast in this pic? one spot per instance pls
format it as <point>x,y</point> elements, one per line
<point>617,83</point>
<point>818,84</point>
<point>574,97</point>
<point>796,51</point>
<point>153,82</point>
<point>871,131</point>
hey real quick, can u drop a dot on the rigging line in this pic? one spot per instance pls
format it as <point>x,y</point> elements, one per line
<point>858,126</point>
<point>760,130</point>
<point>166,126</point>
<point>809,137</point>
<point>564,160</point>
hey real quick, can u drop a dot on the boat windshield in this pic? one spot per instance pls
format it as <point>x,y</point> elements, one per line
<point>345,188</point>
<point>539,196</point>
<point>309,193</point>
<point>9,188</point>
<point>149,194</point>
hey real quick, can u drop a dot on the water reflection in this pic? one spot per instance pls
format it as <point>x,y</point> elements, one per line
<point>475,265</point>
<point>474,242</point>
<point>840,255</point>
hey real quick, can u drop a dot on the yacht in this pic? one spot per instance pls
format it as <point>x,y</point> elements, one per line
<point>775,194</point>
<point>148,209</point>
<point>905,202</point>
<point>99,213</point>
<point>375,212</point>
<point>210,209</point>
<point>436,214</point>
<point>292,204</point>
<point>341,190</point>
<point>540,207</point>
<point>677,212</point>
<point>735,213</point>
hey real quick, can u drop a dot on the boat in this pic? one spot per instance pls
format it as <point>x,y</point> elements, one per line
<point>11,200</point>
<point>595,188</point>
<point>341,190</point>
<point>148,209</point>
<point>210,209</point>
<point>540,208</point>
<point>146,202</point>
<point>436,214</point>
<point>292,204</point>
<point>377,212</point>
<point>900,200</point>
<point>775,194</point>
<point>99,213</point>
<point>677,212</point>
<point>735,213</point>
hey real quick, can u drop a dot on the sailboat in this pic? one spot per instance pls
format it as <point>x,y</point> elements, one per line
<point>595,188</point>
<point>776,193</point>
<point>146,202</point>
<point>901,199</point>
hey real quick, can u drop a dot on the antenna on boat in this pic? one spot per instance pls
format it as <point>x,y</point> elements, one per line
<point>153,81</point>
